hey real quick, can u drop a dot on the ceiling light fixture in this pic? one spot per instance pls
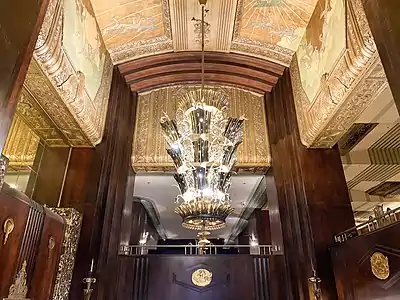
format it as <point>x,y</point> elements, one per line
<point>202,142</point>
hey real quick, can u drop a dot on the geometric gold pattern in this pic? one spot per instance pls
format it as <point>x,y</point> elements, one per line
<point>148,151</point>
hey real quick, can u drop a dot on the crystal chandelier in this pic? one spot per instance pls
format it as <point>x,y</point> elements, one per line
<point>202,142</point>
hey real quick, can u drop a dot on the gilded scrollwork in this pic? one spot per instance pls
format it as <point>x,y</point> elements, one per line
<point>149,154</point>
<point>87,112</point>
<point>345,91</point>
<point>73,223</point>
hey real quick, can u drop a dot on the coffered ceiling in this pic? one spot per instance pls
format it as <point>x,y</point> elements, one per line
<point>271,29</point>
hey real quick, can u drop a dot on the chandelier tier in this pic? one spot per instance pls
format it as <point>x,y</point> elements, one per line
<point>202,142</point>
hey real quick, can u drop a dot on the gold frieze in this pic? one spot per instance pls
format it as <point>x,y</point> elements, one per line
<point>148,152</point>
<point>21,144</point>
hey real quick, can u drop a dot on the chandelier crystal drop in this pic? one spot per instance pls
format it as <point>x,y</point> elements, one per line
<point>202,142</point>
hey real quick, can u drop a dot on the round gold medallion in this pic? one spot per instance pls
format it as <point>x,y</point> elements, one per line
<point>201,277</point>
<point>380,266</point>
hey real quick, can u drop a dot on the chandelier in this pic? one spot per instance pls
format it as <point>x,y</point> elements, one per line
<point>202,142</point>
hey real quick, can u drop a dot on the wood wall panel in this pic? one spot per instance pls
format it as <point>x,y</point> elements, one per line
<point>31,238</point>
<point>46,263</point>
<point>51,174</point>
<point>19,27</point>
<point>311,197</point>
<point>75,189</point>
<point>353,274</point>
<point>233,278</point>
<point>16,206</point>
<point>106,188</point>
<point>384,21</point>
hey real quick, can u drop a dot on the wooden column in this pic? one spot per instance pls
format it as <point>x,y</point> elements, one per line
<point>312,196</point>
<point>20,22</point>
<point>99,181</point>
<point>383,18</point>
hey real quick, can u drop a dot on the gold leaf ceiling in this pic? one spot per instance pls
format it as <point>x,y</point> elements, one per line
<point>270,29</point>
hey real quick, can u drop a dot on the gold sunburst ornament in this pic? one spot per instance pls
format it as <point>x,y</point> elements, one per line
<point>201,277</point>
<point>380,266</point>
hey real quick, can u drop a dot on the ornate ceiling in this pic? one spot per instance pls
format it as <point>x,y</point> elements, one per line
<point>271,29</point>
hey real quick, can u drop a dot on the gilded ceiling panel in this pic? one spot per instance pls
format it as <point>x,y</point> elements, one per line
<point>271,28</point>
<point>134,28</point>
<point>336,72</point>
<point>186,24</point>
<point>71,53</point>
<point>149,154</point>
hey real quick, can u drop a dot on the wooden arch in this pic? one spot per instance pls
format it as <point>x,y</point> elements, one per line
<point>167,69</point>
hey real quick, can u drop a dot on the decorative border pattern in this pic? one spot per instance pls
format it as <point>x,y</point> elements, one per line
<point>53,60</point>
<point>73,223</point>
<point>353,84</point>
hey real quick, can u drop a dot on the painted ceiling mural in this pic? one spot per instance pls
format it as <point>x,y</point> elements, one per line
<point>71,55</point>
<point>336,72</point>
<point>271,29</point>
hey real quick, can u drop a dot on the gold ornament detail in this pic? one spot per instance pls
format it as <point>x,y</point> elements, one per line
<point>8,227</point>
<point>18,290</point>
<point>201,277</point>
<point>73,223</point>
<point>380,266</point>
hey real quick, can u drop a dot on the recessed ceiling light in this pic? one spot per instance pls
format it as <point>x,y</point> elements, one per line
<point>148,182</point>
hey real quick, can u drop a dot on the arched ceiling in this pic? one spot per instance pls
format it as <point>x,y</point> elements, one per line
<point>167,69</point>
<point>270,29</point>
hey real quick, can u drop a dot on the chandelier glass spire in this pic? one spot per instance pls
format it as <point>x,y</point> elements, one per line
<point>202,142</point>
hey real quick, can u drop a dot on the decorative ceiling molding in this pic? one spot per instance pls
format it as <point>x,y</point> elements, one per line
<point>219,18</point>
<point>185,68</point>
<point>46,114</point>
<point>21,144</point>
<point>149,155</point>
<point>343,92</point>
<point>71,53</point>
<point>268,29</point>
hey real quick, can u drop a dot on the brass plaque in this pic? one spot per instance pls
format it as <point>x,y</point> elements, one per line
<point>380,266</point>
<point>201,277</point>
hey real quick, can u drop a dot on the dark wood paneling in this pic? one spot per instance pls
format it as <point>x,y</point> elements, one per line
<point>31,238</point>
<point>19,27</point>
<point>46,263</point>
<point>50,178</point>
<point>384,21</point>
<point>185,68</point>
<point>106,188</point>
<point>16,206</point>
<point>75,189</point>
<point>352,266</point>
<point>263,226</point>
<point>312,196</point>
<point>233,277</point>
